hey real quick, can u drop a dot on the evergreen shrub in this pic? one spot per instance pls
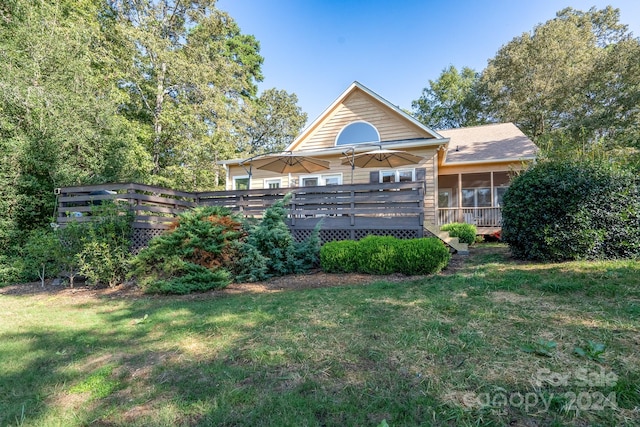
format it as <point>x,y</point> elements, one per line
<point>385,255</point>
<point>567,209</point>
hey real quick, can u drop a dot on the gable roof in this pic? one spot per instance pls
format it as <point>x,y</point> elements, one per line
<point>488,143</point>
<point>355,86</point>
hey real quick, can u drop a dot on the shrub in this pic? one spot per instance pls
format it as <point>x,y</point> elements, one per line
<point>105,241</point>
<point>377,255</point>
<point>40,254</point>
<point>466,233</point>
<point>565,210</point>
<point>385,255</point>
<point>97,250</point>
<point>196,255</point>
<point>422,256</point>
<point>273,240</point>
<point>339,256</point>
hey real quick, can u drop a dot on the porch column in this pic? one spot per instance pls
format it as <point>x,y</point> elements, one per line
<point>460,216</point>
<point>492,191</point>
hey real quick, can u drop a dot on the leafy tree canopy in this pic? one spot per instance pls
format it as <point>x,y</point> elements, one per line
<point>451,101</point>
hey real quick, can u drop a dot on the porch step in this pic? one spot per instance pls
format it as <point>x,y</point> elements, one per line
<point>453,242</point>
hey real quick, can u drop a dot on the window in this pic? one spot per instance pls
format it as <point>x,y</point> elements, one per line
<point>310,181</point>
<point>316,180</point>
<point>476,197</point>
<point>357,133</point>
<point>499,194</point>
<point>399,175</point>
<point>241,182</point>
<point>445,198</point>
<point>272,183</point>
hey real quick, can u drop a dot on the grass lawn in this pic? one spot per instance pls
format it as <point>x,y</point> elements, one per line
<point>498,342</point>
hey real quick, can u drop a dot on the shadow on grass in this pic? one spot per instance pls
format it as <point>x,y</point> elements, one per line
<point>410,353</point>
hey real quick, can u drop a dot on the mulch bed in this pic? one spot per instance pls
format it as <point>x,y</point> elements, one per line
<point>310,280</point>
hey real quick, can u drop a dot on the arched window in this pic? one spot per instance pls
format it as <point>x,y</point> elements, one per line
<point>357,133</point>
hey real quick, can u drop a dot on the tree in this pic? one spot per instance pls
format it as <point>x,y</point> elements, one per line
<point>191,77</point>
<point>276,121</point>
<point>451,101</point>
<point>59,122</point>
<point>570,82</point>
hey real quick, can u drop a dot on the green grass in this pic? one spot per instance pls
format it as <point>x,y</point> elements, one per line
<point>446,350</point>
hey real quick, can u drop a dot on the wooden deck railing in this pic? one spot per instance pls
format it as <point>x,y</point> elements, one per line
<point>481,217</point>
<point>345,211</point>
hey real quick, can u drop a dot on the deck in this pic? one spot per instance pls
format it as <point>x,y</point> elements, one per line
<point>343,211</point>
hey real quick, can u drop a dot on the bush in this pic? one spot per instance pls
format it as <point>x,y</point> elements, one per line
<point>339,256</point>
<point>422,256</point>
<point>566,210</point>
<point>385,255</point>
<point>273,240</point>
<point>97,250</point>
<point>196,255</point>
<point>377,255</point>
<point>466,233</point>
<point>209,247</point>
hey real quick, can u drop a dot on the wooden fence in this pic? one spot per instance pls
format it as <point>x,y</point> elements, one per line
<point>343,211</point>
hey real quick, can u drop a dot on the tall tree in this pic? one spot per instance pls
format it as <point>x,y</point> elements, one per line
<point>570,82</point>
<point>58,120</point>
<point>191,77</point>
<point>275,122</point>
<point>451,101</point>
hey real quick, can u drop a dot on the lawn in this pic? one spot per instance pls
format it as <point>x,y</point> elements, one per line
<point>497,342</point>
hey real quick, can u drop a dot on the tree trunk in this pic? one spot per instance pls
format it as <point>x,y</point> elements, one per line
<point>157,125</point>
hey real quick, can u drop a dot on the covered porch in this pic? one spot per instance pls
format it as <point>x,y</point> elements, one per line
<point>472,198</point>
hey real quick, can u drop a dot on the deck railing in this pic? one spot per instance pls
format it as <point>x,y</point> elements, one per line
<point>481,217</point>
<point>343,211</point>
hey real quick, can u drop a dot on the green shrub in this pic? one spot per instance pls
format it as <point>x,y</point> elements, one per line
<point>40,254</point>
<point>196,255</point>
<point>377,255</point>
<point>339,256</point>
<point>566,210</point>
<point>273,240</point>
<point>385,255</point>
<point>422,256</point>
<point>466,233</point>
<point>97,250</point>
<point>105,242</point>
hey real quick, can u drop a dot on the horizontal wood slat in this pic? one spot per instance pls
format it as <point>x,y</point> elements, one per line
<point>368,207</point>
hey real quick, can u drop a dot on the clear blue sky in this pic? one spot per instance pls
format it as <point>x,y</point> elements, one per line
<point>317,48</point>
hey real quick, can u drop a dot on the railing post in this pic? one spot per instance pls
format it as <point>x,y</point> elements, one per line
<point>352,206</point>
<point>293,209</point>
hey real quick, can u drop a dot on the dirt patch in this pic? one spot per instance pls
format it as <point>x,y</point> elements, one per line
<point>311,280</point>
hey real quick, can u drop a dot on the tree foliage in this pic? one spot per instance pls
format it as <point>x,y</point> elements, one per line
<point>451,101</point>
<point>155,92</point>
<point>571,84</point>
<point>277,120</point>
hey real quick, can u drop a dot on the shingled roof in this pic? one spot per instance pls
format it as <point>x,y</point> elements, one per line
<point>489,143</point>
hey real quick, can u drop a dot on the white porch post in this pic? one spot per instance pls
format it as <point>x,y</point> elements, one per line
<point>492,191</point>
<point>460,216</point>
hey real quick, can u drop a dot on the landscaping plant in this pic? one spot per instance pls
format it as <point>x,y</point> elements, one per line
<point>466,233</point>
<point>566,210</point>
<point>385,255</point>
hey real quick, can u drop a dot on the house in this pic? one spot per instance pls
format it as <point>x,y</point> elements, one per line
<point>465,171</point>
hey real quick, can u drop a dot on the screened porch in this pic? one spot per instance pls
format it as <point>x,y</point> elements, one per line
<point>473,198</point>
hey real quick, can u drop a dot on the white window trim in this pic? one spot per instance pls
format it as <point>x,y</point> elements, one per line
<point>268,181</point>
<point>397,173</point>
<point>335,143</point>
<point>321,178</point>
<point>235,178</point>
<point>475,197</point>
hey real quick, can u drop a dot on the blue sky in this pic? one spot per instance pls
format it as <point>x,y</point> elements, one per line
<point>317,48</point>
